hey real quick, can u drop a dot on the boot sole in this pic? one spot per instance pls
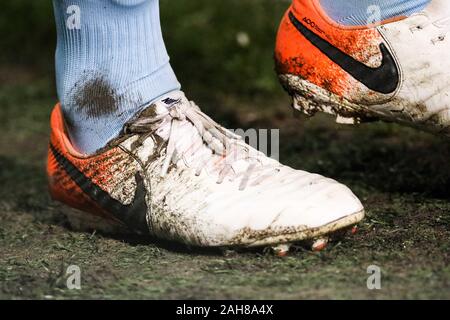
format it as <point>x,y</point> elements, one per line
<point>309,99</point>
<point>86,222</point>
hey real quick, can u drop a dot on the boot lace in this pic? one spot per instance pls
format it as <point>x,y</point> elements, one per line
<point>225,147</point>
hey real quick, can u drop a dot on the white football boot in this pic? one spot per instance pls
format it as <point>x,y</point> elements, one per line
<point>199,183</point>
<point>398,71</point>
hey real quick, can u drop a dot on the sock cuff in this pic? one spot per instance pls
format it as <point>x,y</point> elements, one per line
<point>363,12</point>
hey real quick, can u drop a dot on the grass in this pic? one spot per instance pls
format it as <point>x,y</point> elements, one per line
<point>401,175</point>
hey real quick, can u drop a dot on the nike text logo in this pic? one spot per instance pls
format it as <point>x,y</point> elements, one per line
<point>133,215</point>
<point>383,79</point>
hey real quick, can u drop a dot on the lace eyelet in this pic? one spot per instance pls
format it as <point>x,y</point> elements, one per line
<point>438,39</point>
<point>416,28</point>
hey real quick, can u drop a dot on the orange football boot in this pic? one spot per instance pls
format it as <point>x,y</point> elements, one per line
<point>394,70</point>
<point>317,57</point>
<point>174,173</point>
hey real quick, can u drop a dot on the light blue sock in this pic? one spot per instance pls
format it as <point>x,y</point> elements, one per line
<point>360,12</point>
<point>111,62</point>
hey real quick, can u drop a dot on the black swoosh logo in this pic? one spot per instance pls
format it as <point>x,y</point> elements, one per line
<point>383,79</point>
<point>133,215</point>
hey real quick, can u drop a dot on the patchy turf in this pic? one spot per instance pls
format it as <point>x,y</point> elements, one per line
<point>402,176</point>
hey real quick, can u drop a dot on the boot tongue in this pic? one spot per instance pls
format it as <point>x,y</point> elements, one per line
<point>187,138</point>
<point>168,100</point>
<point>160,106</point>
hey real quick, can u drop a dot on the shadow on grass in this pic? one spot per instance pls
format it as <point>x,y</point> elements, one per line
<point>388,160</point>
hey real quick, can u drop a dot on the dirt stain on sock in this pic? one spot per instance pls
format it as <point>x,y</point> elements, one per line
<point>96,97</point>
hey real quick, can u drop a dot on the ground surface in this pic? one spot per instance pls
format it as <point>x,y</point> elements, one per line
<point>401,175</point>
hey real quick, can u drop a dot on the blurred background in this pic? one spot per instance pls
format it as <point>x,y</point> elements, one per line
<point>231,42</point>
<point>222,53</point>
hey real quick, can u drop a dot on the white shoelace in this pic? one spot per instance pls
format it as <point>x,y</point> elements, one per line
<point>220,141</point>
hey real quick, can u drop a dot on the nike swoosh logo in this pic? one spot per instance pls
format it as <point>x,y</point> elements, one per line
<point>383,79</point>
<point>133,215</point>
